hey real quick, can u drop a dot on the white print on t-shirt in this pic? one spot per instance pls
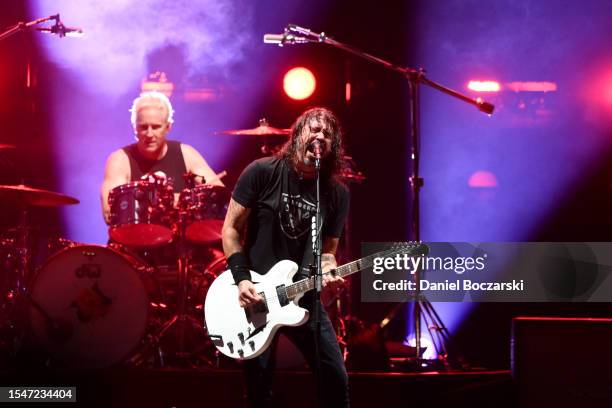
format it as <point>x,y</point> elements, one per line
<point>295,215</point>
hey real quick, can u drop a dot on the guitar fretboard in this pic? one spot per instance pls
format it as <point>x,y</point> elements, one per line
<point>305,285</point>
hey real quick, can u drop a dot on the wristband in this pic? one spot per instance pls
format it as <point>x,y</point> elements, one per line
<point>239,265</point>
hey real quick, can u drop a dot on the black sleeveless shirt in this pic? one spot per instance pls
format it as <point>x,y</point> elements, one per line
<point>172,164</point>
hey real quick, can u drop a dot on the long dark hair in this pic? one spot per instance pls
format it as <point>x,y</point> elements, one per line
<point>333,164</point>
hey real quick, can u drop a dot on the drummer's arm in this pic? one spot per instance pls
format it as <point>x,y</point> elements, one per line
<point>196,164</point>
<point>116,173</point>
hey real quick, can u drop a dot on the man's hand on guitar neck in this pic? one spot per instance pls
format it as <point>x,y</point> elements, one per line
<point>331,281</point>
<point>247,294</point>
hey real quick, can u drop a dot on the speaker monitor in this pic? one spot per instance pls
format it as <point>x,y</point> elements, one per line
<point>562,361</point>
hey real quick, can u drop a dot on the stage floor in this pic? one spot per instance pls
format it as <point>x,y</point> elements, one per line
<point>223,388</point>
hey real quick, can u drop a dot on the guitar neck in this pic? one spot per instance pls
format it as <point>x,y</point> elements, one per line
<point>307,284</point>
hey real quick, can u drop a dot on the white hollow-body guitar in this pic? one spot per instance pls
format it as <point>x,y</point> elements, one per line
<point>245,333</point>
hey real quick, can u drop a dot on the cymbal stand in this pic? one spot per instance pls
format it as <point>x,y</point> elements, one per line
<point>21,272</point>
<point>20,276</point>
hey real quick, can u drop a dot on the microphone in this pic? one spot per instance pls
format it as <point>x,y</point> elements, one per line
<point>316,148</point>
<point>282,39</point>
<point>274,38</point>
<point>60,29</point>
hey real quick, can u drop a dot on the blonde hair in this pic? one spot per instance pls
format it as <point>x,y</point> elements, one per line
<point>158,97</point>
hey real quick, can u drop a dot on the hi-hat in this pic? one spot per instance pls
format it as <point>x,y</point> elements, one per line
<point>25,195</point>
<point>264,129</point>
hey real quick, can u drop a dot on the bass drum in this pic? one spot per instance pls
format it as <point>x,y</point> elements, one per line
<point>90,307</point>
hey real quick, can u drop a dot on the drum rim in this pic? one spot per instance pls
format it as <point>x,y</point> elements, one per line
<point>113,228</point>
<point>128,256</point>
<point>138,183</point>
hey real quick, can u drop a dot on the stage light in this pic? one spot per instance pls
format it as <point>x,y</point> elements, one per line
<point>347,92</point>
<point>532,86</point>
<point>429,349</point>
<point>299,83</point>
<point>605,90</point>
<point>482,179</point>
<point>484,86</point>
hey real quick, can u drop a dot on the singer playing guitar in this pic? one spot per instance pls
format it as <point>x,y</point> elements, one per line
<point>268,220</point>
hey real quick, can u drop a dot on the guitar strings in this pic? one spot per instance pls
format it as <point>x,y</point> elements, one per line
<point>305,280</point>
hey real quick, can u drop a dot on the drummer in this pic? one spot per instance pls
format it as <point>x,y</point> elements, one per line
<point>152,118</point>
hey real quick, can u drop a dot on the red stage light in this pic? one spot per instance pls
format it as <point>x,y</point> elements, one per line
<point>299,83</point>
<point>484,86</point>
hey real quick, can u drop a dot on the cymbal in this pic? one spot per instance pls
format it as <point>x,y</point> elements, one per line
<point>23,194</point>
<point>264,129</point>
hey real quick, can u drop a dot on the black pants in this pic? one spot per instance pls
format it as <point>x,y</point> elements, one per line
<point>334,379</point>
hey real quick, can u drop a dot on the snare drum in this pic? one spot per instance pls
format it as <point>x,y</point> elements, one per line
<point>205,207</point>
<point>90,306</point>
<point>141,213</point>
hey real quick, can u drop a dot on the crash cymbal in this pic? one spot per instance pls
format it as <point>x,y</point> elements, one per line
<point>26,195</point>
<point>264,129</point>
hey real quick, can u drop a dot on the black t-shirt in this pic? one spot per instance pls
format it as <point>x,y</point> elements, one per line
<point>282,205</point>
<point>172,164</point>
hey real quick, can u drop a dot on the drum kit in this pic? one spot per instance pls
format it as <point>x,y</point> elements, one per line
<point>136,301</point>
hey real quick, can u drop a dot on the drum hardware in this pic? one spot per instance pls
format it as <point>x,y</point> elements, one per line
<point>176,327</point>
<point>160,346</point>
<point>193,180</point>
<point>25,197</point>
<point>198,220</point>
<point>18,275</point>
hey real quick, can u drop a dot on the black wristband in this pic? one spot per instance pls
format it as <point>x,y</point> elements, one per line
<point>239,265</point>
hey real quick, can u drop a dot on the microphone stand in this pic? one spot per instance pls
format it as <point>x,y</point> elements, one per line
<point>317,271</point>
<point>21,26</point>
<point>294,34</point>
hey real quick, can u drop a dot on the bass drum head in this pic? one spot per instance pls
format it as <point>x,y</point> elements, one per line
<point>90,307</point>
